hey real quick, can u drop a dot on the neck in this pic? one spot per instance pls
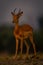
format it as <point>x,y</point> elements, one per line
<point>16,26</point>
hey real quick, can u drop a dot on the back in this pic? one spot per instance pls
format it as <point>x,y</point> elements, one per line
<point>25,27</point>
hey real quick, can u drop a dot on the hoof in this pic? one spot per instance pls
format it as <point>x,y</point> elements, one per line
<point>33,57</point>
<point>15,57</point>
<point>36,57</point>
<point>26,57</point>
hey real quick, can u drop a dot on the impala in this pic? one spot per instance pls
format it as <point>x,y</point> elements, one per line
<point>22,32</point>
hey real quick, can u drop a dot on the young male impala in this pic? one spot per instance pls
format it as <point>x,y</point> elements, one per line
<point>22,32</point>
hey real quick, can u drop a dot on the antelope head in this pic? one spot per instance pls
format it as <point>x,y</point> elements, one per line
<point>16,16</point>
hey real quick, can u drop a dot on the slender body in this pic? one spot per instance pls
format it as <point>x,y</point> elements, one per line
<point>22,32</point>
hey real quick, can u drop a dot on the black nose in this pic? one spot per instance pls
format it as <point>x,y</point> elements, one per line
<point>12,21</point>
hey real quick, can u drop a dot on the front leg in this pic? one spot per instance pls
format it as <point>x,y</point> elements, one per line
<point>27,51</point>
<point>16,48</point>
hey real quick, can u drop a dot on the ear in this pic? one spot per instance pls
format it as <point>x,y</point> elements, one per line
<point>20,14</point>
<point>12,13</point>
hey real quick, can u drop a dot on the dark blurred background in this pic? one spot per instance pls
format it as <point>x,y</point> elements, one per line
<point>33,15</point>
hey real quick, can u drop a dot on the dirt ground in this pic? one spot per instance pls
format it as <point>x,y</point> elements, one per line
<point>9,60</point>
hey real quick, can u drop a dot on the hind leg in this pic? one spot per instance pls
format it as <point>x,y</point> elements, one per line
<point>21,46</point>
<point>31,39</point>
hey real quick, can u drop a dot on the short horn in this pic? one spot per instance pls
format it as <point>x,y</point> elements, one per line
<point>12,13</point>
<point>19,10</point>
<point>15,10</point>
